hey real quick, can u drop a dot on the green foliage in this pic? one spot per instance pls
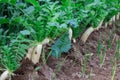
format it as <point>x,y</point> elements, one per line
<point>12,50</point>
<point>26,21</point>
<point>8,1</point>
<point>63,44</point>
<point>3,20</point>
<point>99,48</point>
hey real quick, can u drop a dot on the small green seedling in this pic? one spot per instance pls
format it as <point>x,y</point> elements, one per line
<point>99,48</point>
<point>84,66</point>
<point>114,69</point>
<point>102,58</point>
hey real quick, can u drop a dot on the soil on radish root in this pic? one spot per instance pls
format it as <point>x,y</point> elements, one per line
<point>82,62</point>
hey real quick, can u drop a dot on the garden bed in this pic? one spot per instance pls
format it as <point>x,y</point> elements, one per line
<point>97,59</point>
<point>59,39</point>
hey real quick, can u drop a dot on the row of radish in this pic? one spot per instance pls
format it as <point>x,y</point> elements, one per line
<point>34,53</point>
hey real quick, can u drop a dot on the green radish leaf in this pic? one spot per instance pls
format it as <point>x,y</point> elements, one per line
<point>4,20</point>
<point>33,2</point>
<point>4,1</point>
<point>63,25</point>
<point>13,1</point>
<point>63,44</point>
<point>29,10</point>
<point>8,1</point>
<point>19,20</point>
<point>25,32</point>
<point>72,23</point>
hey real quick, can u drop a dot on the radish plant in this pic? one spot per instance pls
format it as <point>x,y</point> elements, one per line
<point>36,22</point>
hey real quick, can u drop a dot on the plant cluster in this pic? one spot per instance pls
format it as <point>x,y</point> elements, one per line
<point>23,22</point>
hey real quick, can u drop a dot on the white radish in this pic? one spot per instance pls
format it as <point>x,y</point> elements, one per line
<point>70,33</point>
<point>45,41</point>
<point>74,40</point>
<point>29,54</point>
<point>5,75</point>
<point>35,52</point>
<point>86,34</point>
<point>117,16</point>
<point>106,24</point>
<point>110,22</point>
<point>99,26</point>
<point>113,18</point>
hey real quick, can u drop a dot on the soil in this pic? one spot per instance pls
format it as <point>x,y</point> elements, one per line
<point>82,62</point>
